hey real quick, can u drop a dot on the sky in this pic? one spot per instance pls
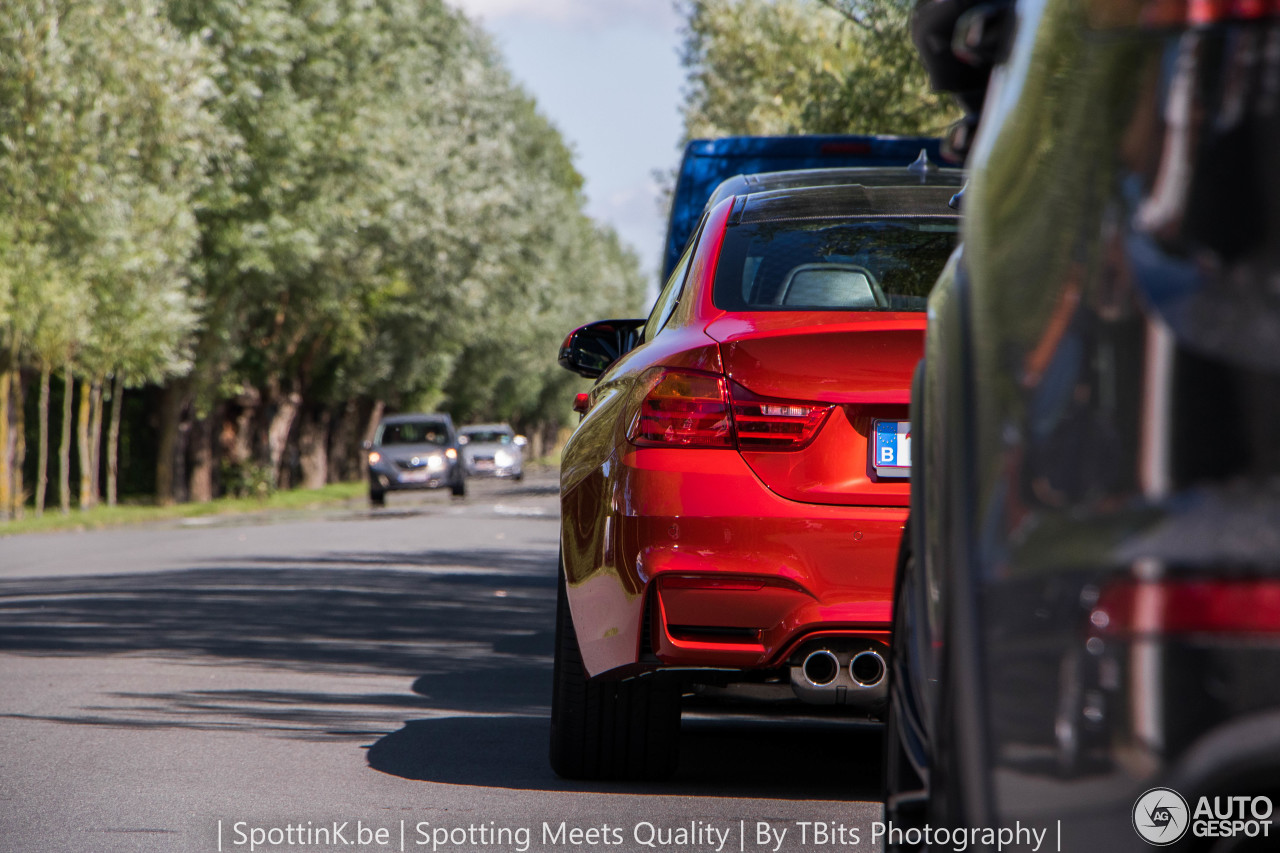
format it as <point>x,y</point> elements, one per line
<point>607,74</point>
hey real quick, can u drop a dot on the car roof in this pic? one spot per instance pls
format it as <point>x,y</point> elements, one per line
<point>488,428</point>
<point>900,176</point>
<point>417,416</point>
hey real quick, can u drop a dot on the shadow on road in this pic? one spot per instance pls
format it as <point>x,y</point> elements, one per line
<point>720,758</point>
<point>473,629</point>
<point>307,615</point>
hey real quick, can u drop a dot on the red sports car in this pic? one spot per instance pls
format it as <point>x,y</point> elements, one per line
<point>733,498</point>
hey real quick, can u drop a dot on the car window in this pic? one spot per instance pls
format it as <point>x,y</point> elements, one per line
<point>670,295</point>
<point>413,432</point>
<point>862,264</point>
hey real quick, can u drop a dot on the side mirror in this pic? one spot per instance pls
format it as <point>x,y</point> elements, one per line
<point>520,441</point>
<point>589,350</point>
<point>366,445</point>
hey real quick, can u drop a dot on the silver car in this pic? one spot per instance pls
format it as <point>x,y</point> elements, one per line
<point>419,451</point>
<point>493,450</point>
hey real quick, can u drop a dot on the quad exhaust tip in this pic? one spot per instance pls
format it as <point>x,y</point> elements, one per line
<point>820,668</point>
<point>867,668</point>
<point>843,672</point>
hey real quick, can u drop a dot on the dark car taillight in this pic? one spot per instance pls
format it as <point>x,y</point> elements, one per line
<point>1159,14</point>
<point>1217,606</point>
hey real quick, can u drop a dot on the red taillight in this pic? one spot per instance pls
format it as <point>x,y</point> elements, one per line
<point>1222,606</point>
<point>581,403</point>
<point>683,408</point>
<point>775,424</point>
<point>1159,14</point>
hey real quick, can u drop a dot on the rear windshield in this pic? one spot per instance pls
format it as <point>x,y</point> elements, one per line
<point>864,264</point>
<point>413,432</point>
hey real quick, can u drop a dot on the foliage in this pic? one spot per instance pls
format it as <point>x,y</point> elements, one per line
<point>761,67</point>
<point>287,211</point>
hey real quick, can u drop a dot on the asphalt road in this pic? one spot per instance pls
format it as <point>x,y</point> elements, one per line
<point>194,686</point>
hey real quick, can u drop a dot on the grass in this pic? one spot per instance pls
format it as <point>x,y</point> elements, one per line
<point>123,514</point>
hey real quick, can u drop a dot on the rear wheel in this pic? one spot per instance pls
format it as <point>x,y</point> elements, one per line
<point>608,729</point>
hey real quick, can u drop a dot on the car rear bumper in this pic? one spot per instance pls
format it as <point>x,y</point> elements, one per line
<point>703,566</point>
<point>498,473</point>
<point>394,481</point>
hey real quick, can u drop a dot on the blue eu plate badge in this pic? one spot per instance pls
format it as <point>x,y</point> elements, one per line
<point>891,450</point>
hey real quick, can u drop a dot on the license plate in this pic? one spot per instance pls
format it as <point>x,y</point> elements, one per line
<point>415,476</point>
<point>484,464</point>
<point>891,449</point>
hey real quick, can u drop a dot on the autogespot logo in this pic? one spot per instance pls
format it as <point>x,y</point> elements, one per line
<point>1161,816</point>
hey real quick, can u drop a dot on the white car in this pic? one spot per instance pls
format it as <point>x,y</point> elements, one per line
<point>493,450</point>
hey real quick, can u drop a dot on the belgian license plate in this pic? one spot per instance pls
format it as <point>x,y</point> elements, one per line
<point>419,476</point>
<point>891,450</point>
<point>484,464</point>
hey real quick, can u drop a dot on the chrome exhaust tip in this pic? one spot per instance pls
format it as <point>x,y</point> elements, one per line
<point>820,668</point>
<point>867,668</point>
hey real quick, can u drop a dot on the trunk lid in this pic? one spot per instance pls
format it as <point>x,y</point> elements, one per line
<point>861,364</point>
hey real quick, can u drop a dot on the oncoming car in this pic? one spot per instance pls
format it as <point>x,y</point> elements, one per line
<point>414,452</point>
<point>493,450</point>
<point>733,497</point>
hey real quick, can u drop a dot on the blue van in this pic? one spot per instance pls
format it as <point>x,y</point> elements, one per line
<point>707,162</point>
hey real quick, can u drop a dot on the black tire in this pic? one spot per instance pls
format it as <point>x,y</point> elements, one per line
<point>459,486</point>
<point>905,793</point>
<point>608,729</point>
<point>377,497</point>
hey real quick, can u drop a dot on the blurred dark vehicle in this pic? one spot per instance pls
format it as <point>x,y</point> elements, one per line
<point>708,162</point>
<point>1088,600</point>
<point>418,451</point>
<point>493,450</point>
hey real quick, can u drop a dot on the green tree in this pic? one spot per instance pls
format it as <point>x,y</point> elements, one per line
<point>101,128</point>
<point>763,67</point>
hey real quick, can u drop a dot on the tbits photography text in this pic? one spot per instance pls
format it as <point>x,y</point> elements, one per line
<point>695,836</point>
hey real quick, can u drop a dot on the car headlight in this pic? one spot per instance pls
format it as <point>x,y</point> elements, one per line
<point>451,453</point>
<point>435,463</point>
<point>374,457</point>
<point>503,458</point>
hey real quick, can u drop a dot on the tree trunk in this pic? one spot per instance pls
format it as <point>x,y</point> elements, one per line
<point>344,444</point>
<point>201,479</point>
<point>64,446</point>
<point>313,445</point>
<point>95,443</point>
<point>283,411</point>
<point>375,416</point>
<point>19,431</point>
<point>113,437</point>
<point>6,454</point>
<point>42,461</point>
<point>168,446</point>
<point>82,445</point>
